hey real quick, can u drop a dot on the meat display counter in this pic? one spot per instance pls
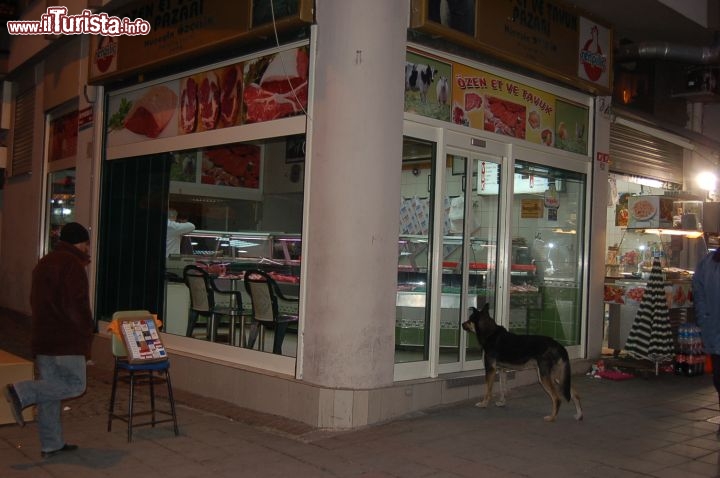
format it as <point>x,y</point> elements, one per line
<point>412,286</point>
<point>225,255</point>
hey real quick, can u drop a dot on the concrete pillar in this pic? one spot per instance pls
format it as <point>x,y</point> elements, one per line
<point>353,195</point>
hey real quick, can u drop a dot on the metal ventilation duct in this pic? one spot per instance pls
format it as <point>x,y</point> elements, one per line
<point>669,51</point>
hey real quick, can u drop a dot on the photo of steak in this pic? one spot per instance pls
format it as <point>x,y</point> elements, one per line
<point>504,117</point>
<point>280,90</point>
<point>473,101</point>
<point>188,105</point>
<point>151,113</point>
<point>229,96</point>
<point>209,101</point>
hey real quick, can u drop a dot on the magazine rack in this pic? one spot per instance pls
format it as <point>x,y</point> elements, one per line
<point>141,339</point>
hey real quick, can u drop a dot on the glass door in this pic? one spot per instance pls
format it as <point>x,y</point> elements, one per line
<point>469,250</point>
<point>449,251</point>
<point>412,321</point>
<point>548,223</point>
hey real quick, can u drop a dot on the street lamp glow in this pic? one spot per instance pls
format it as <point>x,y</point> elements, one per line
<point>706,181</point>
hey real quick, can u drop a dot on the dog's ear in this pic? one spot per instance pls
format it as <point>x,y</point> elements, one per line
<point>472,310</point>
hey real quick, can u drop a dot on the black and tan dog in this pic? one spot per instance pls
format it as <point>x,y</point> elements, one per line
<point>505,350</point>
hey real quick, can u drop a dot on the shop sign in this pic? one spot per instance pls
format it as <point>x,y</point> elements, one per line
<point>103,61</point>
<point>551,197</point>
<point>85,118</point>
<point>464,95</point>
<point>531,209</point>
<point>185,29</point>
<point>593,58</point>
<point>549,37</point>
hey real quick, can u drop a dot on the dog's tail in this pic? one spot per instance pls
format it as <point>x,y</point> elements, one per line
<point>567,373</point>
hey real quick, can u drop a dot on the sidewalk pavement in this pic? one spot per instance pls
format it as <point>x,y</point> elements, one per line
<point>650,426</point>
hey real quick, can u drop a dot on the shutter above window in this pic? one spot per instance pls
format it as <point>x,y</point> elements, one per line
<point>637,153</point>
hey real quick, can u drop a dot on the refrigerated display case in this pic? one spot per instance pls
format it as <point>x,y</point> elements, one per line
<point>228,253</point>
<point>412,286</point>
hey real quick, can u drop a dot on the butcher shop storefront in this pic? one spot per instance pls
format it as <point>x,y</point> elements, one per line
<point>218,149</point>
<point>223,147</point>
<point>218,153</point>
<point>379,215</point>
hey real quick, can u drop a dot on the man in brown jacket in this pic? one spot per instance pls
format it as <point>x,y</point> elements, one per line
<point>62,333</point>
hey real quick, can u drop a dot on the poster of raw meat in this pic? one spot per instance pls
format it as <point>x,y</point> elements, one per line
<point>485,101</point>
<point>63,136</point>
<point>276,86</point>
<point>201,102</point>
<point>143,114</point>
<point>210,100</point>
<point>236,165</point>
<point>427,87</point>
<point>572,127</point>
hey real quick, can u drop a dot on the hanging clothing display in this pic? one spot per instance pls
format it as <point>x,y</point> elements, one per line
<point>651,336</point>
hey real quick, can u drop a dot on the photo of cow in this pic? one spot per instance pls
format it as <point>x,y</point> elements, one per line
<point>428,84</point>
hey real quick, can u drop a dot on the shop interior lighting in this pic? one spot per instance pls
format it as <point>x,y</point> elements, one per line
<point>651,183</point>
<point>675,232</point>
<point>240,243</point>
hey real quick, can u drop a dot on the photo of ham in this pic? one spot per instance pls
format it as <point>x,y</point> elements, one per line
<point>187,119</point>
<point>276,86</point>
<point>230,94</point>
<point>210,100</point>
<point>151,113</point>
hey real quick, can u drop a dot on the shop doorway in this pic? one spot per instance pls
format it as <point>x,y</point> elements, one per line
<point>469,251</point>
<point>493,223</point>
<point>449,246</point>
<point>547,217</point>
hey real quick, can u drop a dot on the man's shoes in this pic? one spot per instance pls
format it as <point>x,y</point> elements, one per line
<point>66,447</point>
<point>15,406</point>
